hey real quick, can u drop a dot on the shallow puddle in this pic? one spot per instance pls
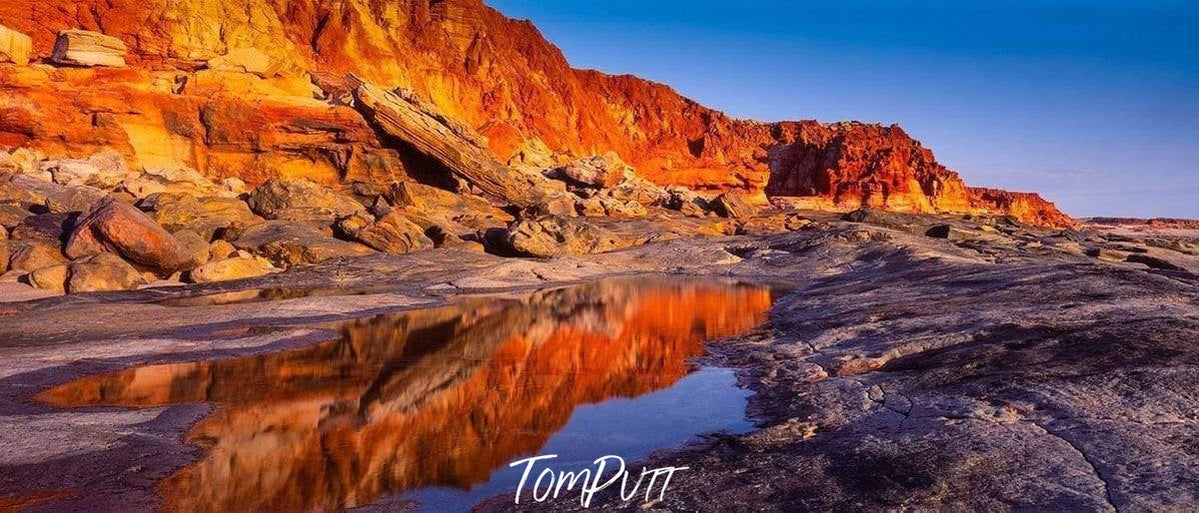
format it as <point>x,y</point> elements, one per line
<point>434,404</point>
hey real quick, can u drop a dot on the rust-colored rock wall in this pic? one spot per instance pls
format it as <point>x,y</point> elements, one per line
<point>503,78</point>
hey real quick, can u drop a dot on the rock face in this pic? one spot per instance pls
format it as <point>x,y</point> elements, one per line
<point>247,60</point>
<point>404,116</point>
<point>550,236</point>
<point>14,46</point>
<point>86,48</point>
<point>468,62</point>
<point>121,228</point>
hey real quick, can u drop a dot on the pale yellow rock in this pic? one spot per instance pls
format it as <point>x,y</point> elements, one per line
<point>87,48</point>
<point>247,60</point>
<point>232,269</point>
<point>15,47</point>
<point>52,278</point>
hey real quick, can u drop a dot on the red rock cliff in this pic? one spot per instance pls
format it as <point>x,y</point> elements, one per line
<point>502,77</point>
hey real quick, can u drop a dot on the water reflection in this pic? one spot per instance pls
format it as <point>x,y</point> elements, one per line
<point>440,397</point>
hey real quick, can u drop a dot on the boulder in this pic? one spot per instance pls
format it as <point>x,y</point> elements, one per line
<point>178,180</point>
<point>102,272</point>
<point>392,234</point>
<point>104,170</point>
<point>220,250</point>
<point>773,224</point>
<point>559,205</point>
<point>247,60</point>
<point>236,268</point>
<point>293,243</point>
<point>5,254</point>
<point>50,229</point>
<point>915,225</point>
<point>203,215</point>
<point>86,48</point>
<point>945,231</point>
<point>15,47</point>
<point>733,205</point>
<point>51,278</point>
<point>598,171</point>
<point>549,236</point>
<point>12,213</point>
<point>195,245</point>
<point>459,214</point>
<point>20,161</point>
<point>686,201</point>
<point>29,256</point>
<point>121,228</point>
<point>56,198</point>
<point>303,201</point>
<point>623,208</point>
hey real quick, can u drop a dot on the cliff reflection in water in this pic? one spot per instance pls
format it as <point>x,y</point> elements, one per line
<point>439,397</point>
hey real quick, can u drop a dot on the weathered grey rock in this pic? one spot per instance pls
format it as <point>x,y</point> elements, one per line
<point>1107,254</point>
<point>86,48</point>
<point>762,226</point>
<point>302,201</point>
<point>56,198</point>
<point>121,228</point>
<point>179,180</point>
<point>393,234</point>
<point>733,205</point>
<point>50,229</point>
<point>686,201</point>
<point>15,47</point>
<point>291,243</point>
<point>1154,262</point>
<point>549,236</point>
<point>105,170</point>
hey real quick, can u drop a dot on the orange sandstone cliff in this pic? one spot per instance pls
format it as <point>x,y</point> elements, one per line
<point>498,75</point>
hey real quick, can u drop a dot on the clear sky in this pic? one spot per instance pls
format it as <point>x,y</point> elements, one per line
<point>1095,104</point>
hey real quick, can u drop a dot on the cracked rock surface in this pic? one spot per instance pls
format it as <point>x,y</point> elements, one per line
<point>1006,370</point>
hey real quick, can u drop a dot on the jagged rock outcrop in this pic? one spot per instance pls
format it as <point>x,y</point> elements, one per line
<point>496,75</point>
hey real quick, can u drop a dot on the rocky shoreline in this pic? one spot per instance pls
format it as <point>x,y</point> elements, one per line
<point>1026,391</point>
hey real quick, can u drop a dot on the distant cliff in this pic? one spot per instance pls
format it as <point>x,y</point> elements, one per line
<point>496,74</point>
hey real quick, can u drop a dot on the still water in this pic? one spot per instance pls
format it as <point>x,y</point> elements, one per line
<point>432,405</point>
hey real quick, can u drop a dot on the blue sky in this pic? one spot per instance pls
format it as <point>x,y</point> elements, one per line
<point>1094,104</point>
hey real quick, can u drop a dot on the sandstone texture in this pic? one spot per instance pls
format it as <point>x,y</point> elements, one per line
<point>1007,372</point>
<point>86,48</point>
<point>118,227</point>
<point>14,46</point>
<point>469,66</point>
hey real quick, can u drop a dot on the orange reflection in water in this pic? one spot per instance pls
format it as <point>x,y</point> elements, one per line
<point>438,397</point>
